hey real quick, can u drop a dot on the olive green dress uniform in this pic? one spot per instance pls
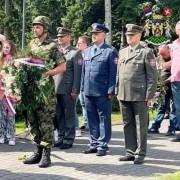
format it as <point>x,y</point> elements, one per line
<point>69,81</point>
<point>136,81</point>
<point>65,84</point>
<point>41,120</point>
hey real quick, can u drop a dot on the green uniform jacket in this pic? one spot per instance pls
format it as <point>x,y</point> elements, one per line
<point>137,74</point>
<point>69,81</point>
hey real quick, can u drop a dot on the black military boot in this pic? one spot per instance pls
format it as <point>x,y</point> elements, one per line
<point>45,161</point>
<point>36,157</point>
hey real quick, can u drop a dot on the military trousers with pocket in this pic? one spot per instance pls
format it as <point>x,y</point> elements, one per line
<point>41,124</point>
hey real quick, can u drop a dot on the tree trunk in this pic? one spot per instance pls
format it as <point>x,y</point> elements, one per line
<point>6,28</point>
<point>123,37</point>
<point>108,20</point>
<point>23,24</point>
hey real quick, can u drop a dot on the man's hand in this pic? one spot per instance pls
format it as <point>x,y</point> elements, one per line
<point>110,96</point>
<point>148,102</point>
<point>74,95</point>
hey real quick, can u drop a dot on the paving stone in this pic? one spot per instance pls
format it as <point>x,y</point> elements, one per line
<point>162,157</point>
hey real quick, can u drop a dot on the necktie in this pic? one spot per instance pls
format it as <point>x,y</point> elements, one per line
<point>95,50</point>
<point>60,50</point>
<point>130,52</point>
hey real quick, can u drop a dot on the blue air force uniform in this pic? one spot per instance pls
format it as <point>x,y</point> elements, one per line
<point>98,81</point>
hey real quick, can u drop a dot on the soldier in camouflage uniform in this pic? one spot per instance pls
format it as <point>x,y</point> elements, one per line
<point>41,120</point>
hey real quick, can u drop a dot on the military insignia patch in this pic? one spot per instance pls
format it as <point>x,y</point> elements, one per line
<point>80,61</point>
<point>153,62</point>
<point>116,60</point>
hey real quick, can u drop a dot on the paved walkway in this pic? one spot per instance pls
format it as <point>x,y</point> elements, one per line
<point>163,157</point>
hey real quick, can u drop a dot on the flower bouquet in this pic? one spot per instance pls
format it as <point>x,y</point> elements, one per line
<point>6,93</point>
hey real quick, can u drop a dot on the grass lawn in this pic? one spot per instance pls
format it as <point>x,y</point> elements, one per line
<point>20,127</point>
<point>20,124</point>
<point>172,176</point>
<point>116,119</point>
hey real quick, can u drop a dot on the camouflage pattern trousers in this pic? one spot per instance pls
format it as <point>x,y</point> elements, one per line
<point>7,124</point>
<point>41,124</point>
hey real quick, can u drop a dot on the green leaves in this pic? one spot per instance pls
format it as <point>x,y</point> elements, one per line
<point>35,88</point>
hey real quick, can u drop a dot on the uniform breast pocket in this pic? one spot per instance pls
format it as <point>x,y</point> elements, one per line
<point>137,65</point>
<point>69,64</point>
<point>121,62</point>
<point>86,61</point>
<point>101,62</point>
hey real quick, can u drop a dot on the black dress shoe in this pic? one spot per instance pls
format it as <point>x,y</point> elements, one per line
<point>176,139</point>
<point>177,129</point>
<point>88,151</point>
<point>170,133</point>
<point>153,131</point>
<point>138,161</point>
<point>58,143</point>
<point>82,127</point>
<point>65,146</point>
<point>166,116</point>
<point>127,158</point>
<point>101,153</point>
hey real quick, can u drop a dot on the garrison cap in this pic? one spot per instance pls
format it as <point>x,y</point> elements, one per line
<point>62,31</point>
<point>96,27</point>
<point>133,29</point>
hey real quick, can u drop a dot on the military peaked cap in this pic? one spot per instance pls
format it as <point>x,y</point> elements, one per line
<point>61,31</point>
<point>133,29</point>
<point>96,27</point>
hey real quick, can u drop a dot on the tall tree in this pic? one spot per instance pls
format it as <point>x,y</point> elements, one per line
<point>75,14</point>
<point>82,14</point>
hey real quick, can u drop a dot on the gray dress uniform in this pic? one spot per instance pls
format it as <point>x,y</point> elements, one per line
<point>136,81</point>
<point>65,84</point>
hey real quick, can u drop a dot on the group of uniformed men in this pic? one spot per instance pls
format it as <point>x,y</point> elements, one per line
<point>133,74</point>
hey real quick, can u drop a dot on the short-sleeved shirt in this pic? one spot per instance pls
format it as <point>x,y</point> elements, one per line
<point>175,56</point>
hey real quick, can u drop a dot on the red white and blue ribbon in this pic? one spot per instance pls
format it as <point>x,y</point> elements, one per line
<point>31,61</point>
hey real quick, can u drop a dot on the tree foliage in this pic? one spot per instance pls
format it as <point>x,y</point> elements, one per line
<point>77,15</point>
